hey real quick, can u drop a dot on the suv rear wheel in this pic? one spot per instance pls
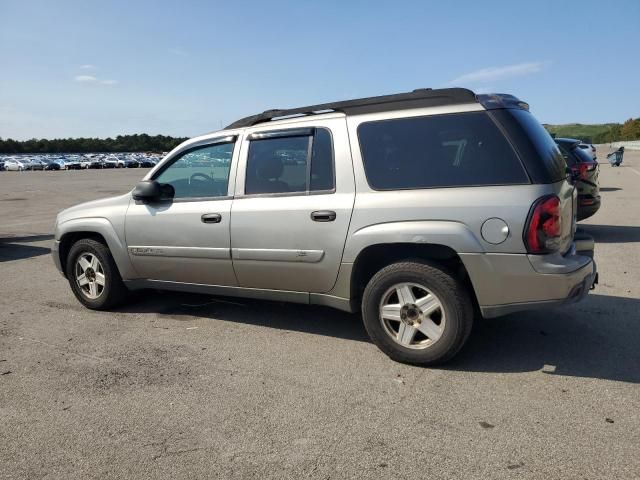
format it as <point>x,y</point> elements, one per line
<point>93,275</point>
<point>417,313</point>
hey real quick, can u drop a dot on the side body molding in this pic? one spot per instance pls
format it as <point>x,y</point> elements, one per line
<point>453,234</point>
<point>105,228</point>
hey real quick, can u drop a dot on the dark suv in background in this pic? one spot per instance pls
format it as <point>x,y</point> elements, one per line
<point>585,170</point>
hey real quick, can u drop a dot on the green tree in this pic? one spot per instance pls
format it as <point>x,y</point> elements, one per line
<point>630,129</point>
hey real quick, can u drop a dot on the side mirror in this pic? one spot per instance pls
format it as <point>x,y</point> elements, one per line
<point>150,190</point>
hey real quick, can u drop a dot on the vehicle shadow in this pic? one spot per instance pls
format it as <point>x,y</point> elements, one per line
<point>313,319</point>
<point>597,338</point>
<point>12,248</point>
<point>612,233</point>
<point>27,238</point>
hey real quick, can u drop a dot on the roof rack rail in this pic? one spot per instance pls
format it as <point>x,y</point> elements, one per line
<point>422,97</point>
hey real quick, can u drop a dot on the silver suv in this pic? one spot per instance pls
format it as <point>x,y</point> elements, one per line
<point>421,210</point>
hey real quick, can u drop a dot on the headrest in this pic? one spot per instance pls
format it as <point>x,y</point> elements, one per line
<point>270,169</point>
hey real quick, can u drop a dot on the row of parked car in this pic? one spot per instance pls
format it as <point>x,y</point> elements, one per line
<point>78,162</point>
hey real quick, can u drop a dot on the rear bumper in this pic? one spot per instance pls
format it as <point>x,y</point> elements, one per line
<point>507,283</point>
<point>574,287</point>
<point>588,205</point>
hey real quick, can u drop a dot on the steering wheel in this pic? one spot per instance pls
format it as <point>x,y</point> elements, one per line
<point>204,176</point>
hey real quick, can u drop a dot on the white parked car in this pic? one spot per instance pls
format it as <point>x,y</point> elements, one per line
<point>113,162</point>
<point>14,165</point>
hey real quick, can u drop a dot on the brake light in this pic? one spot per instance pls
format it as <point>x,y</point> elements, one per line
<point>582,169</point>
<point>544,227</point>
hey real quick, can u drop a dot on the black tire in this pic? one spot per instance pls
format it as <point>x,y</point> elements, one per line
<point>114,291</point>
<point>455,300</point>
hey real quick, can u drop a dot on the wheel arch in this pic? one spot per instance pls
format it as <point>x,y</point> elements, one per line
<point>376,246</point>
<point>99,229</point>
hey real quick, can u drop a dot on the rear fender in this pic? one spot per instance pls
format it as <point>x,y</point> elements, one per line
<point>455,235</point>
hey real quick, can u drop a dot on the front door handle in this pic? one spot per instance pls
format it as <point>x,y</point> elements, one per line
<point>323,216</point>
<point>211,218</point>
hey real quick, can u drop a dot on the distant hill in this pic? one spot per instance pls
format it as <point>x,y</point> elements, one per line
<point>581,131</point>
<point>599,132</point>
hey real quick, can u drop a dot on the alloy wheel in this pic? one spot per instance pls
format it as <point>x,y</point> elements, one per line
<point>412,315</point>
<point>89,275</point>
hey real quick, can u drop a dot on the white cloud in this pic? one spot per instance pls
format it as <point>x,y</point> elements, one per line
<point>178,51</point>
<point>485,89</point>
<point>492,74</point>
<point>93,80</point>
<point>85,78</point>
<point>87,66</point>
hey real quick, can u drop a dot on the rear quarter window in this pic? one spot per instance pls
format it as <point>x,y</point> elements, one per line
<point>534,144</point>
<point>465,149</point>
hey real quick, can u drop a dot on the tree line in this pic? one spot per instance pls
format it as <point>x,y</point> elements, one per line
<point>629,130</point>
<point>599,133</point>
<point>122,143</point>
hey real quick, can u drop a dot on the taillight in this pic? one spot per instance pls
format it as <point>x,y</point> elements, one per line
<point>582,169</point>
<point>544,227</point>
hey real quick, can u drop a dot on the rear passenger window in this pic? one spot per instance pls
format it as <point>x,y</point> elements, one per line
<point>465,149</point>
<point>290,164</point>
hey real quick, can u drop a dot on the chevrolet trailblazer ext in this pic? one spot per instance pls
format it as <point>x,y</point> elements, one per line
<point>419,209</point>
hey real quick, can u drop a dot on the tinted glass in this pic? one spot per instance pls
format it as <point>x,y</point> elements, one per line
<point>203,172</point>
<point>439,151</point>
<point>281,164</point>
<point>277,165</point>
<point>322,161</point>
<point>567,154</point>
<point>583,155</point>
<point>544,145</point>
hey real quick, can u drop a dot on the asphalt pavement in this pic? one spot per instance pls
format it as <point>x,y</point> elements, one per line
<point>191,386</point>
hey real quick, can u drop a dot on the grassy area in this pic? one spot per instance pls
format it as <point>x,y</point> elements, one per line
<point>581,131</point>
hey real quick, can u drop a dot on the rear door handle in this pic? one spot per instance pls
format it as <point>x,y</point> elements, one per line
<point>323,216</point>
<point>211,218</point>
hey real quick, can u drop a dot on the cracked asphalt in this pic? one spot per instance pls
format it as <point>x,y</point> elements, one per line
<point>191,386</point>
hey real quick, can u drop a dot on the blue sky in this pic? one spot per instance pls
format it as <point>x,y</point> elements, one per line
<point>89,68</point>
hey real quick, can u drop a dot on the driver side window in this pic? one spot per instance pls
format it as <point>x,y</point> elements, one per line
<point>201,172</point>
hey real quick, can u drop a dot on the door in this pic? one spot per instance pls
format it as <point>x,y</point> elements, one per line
<point>292,208</point>
<point>187,238</point>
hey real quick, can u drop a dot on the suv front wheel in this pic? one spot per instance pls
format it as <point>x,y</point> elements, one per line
<point>417,313</point>
<point>93,275</point>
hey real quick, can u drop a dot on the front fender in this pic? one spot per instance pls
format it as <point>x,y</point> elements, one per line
<point>105,228</point>
<point>455,235</point>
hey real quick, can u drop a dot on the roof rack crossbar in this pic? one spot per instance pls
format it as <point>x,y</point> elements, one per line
<point>418,98</point>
